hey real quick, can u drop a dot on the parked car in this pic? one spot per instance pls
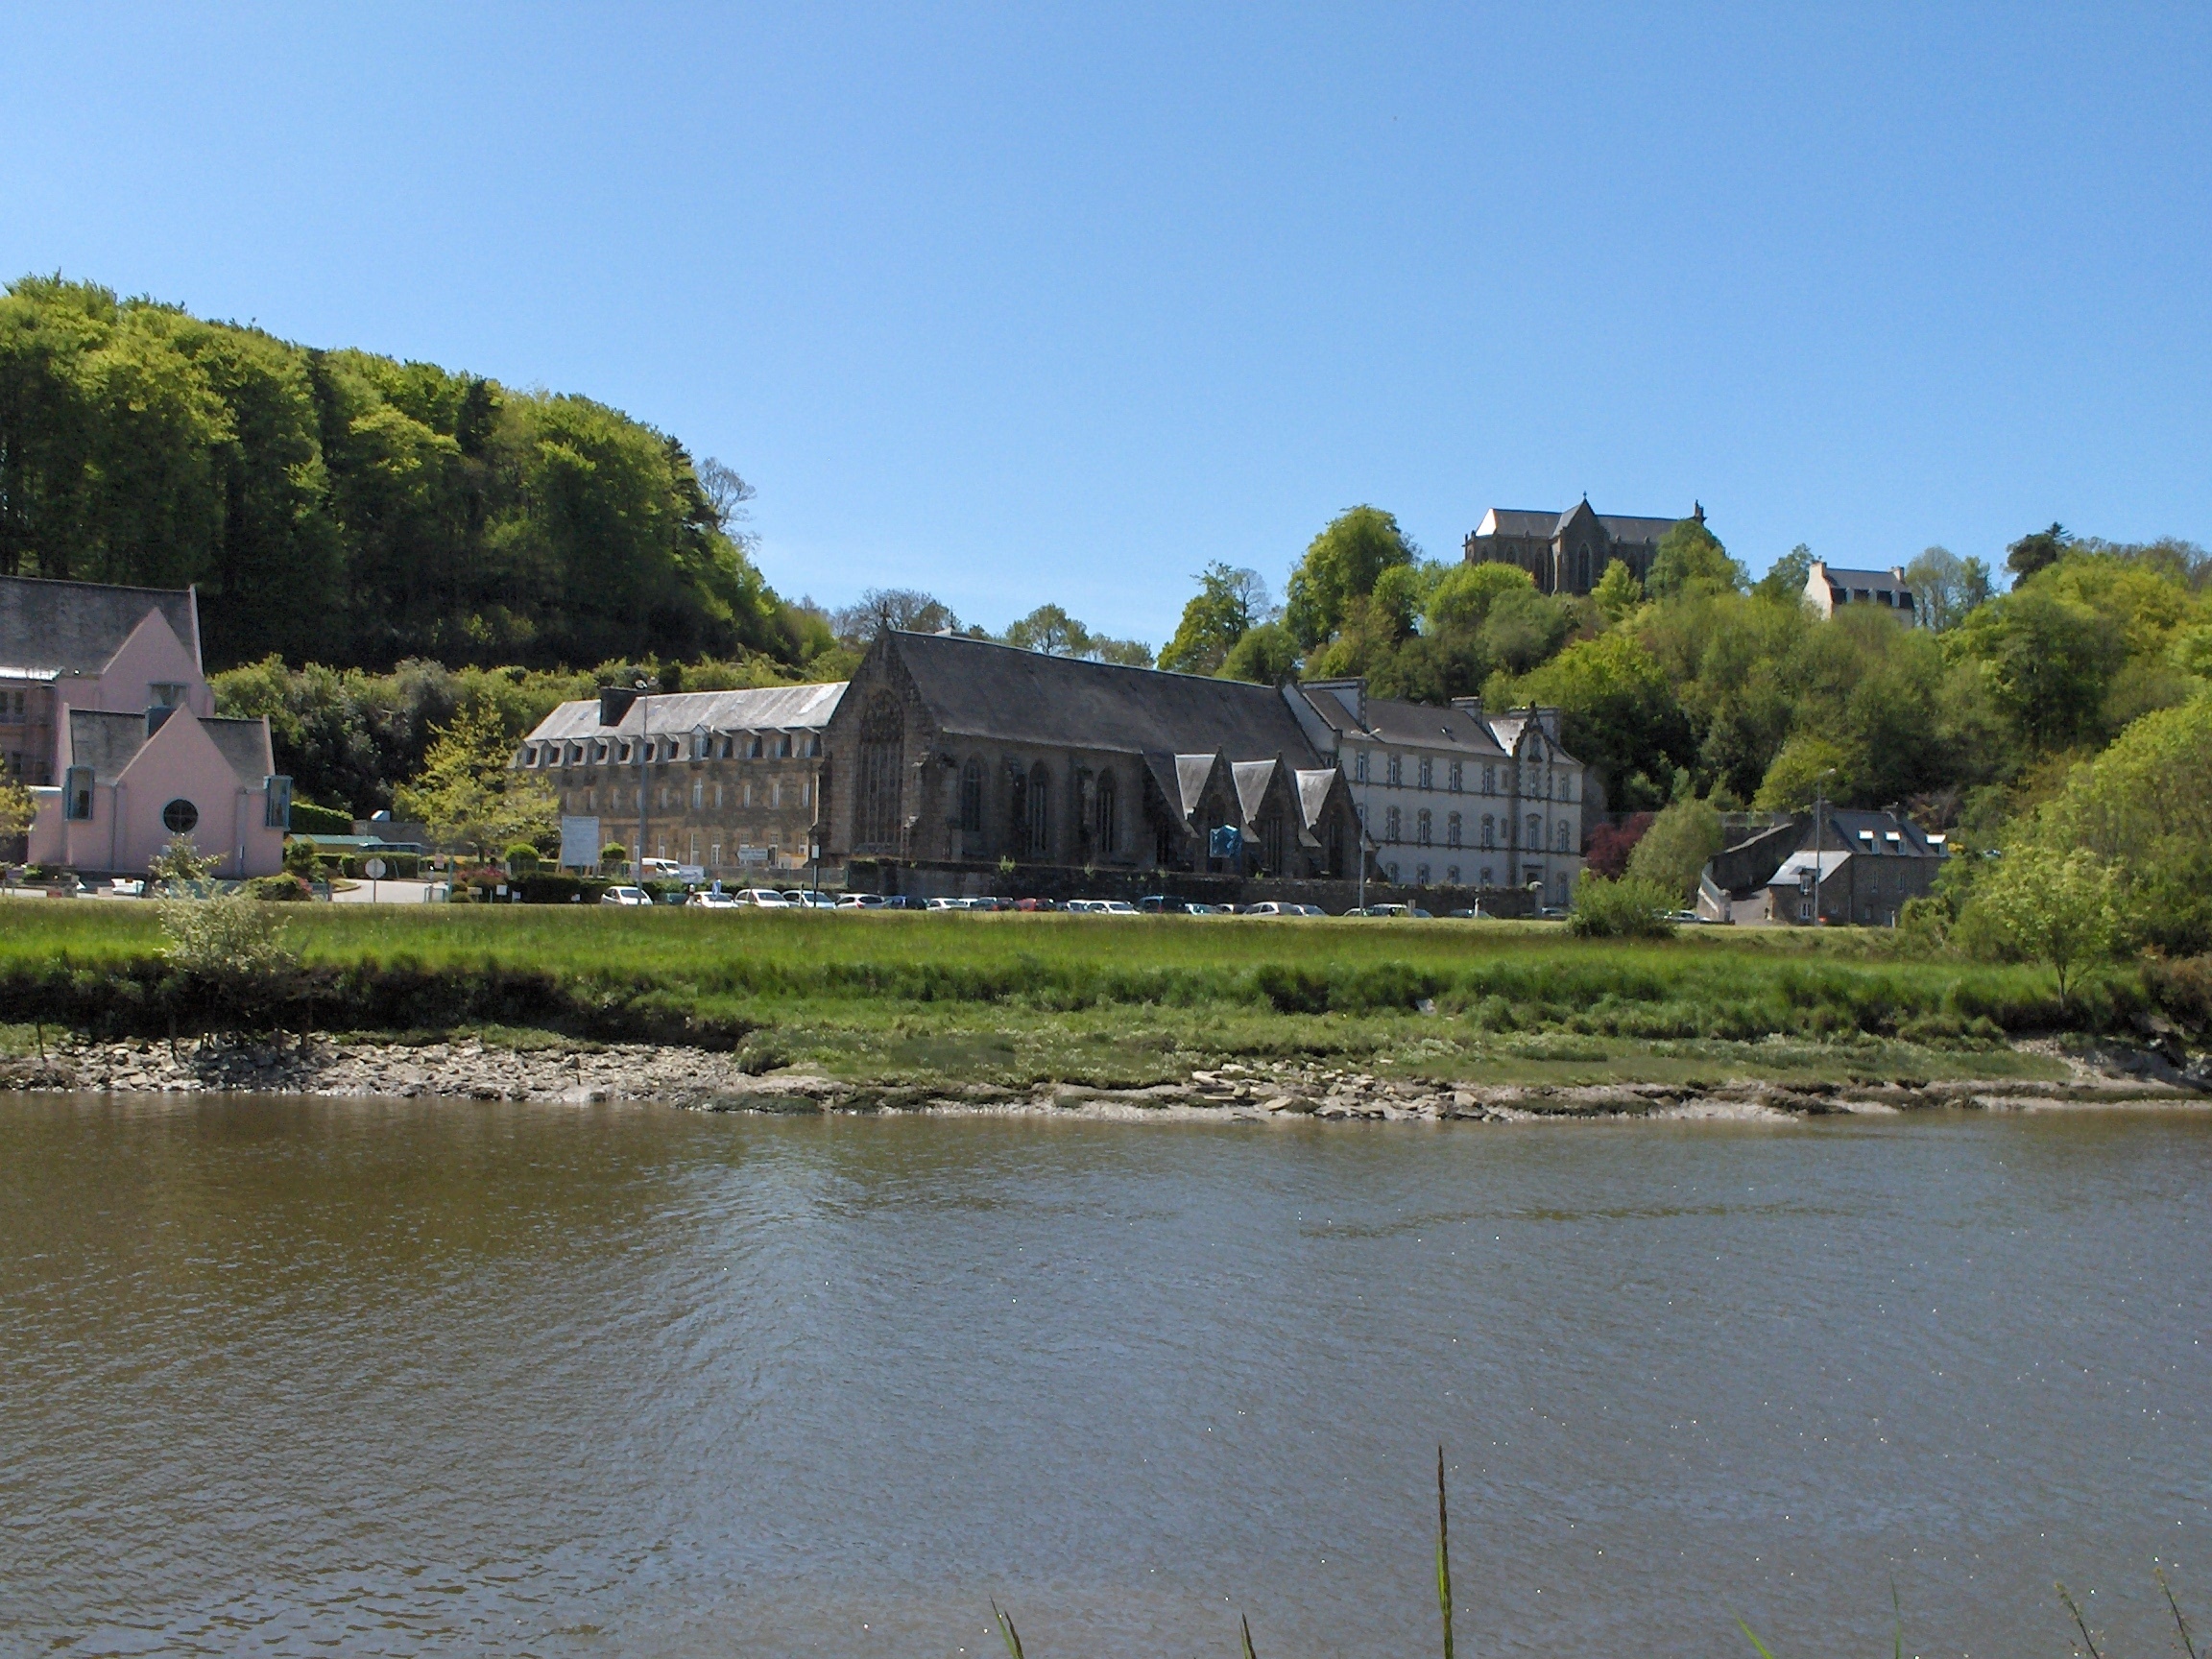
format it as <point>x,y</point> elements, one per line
<point>1160,904</point>
<point>126,887</point>
<point>1035,905</point>
<point>1115,907</point>
<point>659,869</point>
<point>1553,913</point>
<point>762,898</point>
<point>1195,908</point>
<point>861,902</point>
<point>799,899</point>
<point>1400,911</point>
<point>945,907</point>
<point>899,902</point>
<point>1282,907</point>
<point>703,899</point>
<point>627,897</point>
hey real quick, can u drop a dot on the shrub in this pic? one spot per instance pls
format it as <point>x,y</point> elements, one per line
<point>544,888</point>
<point>229,954</point>
<point>310,819</point>
<point>1629,908</point>
<point>300,856</point>
<point>521,859</point>
<point>279,889</point>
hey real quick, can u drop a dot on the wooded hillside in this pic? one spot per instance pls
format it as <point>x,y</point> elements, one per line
<point>342,508</point>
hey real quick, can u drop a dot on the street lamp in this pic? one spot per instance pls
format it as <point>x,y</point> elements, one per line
<point>1819,838</point>
<point>643,689</point>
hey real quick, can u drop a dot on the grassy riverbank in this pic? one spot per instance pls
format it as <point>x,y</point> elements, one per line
<point>1026,999</point>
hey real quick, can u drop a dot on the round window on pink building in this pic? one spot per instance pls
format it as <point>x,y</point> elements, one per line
<point>180,817</point>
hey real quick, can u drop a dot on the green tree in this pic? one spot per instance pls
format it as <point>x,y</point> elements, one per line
<point>1948,585</point>
<point>469,794</point>
<point>2036,551</point>
<point>1618,592</point>
<point>1808,768</point>
<point>1690,558</point>
<point>17,807</point>
<point>1783,583</point>
<point>1266,655</point>
<point>1462,597</point>
<point>2048,659</point>
<point>1050,629</point>
<point>1342,564</point>
<point>1228,602</point>
<point>2141,807</point>
<point>2055,907</point>
<point>1619,715</point>
<point>1673,853</point>
<point>1523,629</point>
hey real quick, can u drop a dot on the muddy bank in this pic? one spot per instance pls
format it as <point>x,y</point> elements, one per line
<point>701,1080</point>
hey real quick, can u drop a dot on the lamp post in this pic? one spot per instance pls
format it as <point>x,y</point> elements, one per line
<point>644,731</point>
<point>1819,837</point>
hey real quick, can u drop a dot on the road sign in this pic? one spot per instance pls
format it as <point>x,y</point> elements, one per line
<point>373,869</point>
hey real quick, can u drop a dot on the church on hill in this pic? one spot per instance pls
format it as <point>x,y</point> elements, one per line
<point>1568,552</point>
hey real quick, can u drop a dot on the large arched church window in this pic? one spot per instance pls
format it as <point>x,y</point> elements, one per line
<point>1105,832</point>
<point>876,784</point>
<point>971,797</point>
<point>1037,837</point>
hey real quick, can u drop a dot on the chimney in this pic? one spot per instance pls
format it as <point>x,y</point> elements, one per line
<point>1469,705</point>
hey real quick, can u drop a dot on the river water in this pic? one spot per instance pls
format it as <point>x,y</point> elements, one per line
<point>336,1377</point>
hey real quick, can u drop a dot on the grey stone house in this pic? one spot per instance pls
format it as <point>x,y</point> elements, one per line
<point>726,780</point>
<point>949,752</point>
<point>1840,865</point>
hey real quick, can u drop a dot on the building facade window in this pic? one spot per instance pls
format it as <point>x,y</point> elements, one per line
<point>1535,831</point>
<point>1422,827</point>
<point>1360,765</point>
<point>1489,831</point>
<point>698,796</point>
<point>1562,839</point>
<point>1395,770</point>
<point>1420,874</point>
<point>1428,773</point>
<point>1451,833</point>
<point>1106,830</point>
<point>1458,775</point>
<point>1451,874</point>
<point>971,797</point>
<point>876,782</point>
<point>1039,837</point>
<point>180,817</point>
<point>1390,827</point>
<point>1486,879</point>
<point>1489,779</point>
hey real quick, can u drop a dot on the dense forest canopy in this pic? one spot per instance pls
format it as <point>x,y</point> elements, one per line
<point>342,508</point>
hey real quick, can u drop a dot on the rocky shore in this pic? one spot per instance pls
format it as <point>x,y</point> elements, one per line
<point>700,1080</point>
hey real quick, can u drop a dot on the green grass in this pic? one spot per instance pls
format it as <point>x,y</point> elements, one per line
<point>1019,1000</point>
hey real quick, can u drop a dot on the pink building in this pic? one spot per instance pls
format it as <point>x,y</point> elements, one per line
<point>106,713</point>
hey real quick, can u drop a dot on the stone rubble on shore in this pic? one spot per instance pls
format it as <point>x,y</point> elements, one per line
<point>700,1079</point>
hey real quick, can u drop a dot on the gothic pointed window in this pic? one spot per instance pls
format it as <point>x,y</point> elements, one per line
<point>1105,832</point>
<point>876,783</point>
<point>1038,829</point>
<point>971,797</point>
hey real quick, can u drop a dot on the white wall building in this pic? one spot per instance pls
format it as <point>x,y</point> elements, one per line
<point>1455,796</point>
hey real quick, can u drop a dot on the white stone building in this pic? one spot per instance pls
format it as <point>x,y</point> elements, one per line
<point>1455,796</point>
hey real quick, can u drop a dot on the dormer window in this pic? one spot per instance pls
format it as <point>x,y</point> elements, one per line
<point>167,694</point>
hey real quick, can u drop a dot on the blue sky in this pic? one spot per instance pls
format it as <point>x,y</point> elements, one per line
<point>1017,304</point>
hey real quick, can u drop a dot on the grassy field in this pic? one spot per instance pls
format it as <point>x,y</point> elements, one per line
<point>1022,999</point>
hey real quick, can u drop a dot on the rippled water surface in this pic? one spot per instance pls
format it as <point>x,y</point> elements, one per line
<point>407,1377</point>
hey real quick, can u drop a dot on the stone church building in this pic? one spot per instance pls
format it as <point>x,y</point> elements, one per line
<point>1568,552</point>
<point>950,752</point>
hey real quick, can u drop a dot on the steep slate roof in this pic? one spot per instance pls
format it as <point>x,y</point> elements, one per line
<point>108,741</point>
<point>1519,521</point>
<point>104,742</point>
<point>244,743</point>
<point>978,689</point>
<point>1831,861</point>
<point>1390,720</point>
<point>1636,529</point>
<point>1838,577</point>
<point>762,708</point>
<point>75,627</point>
